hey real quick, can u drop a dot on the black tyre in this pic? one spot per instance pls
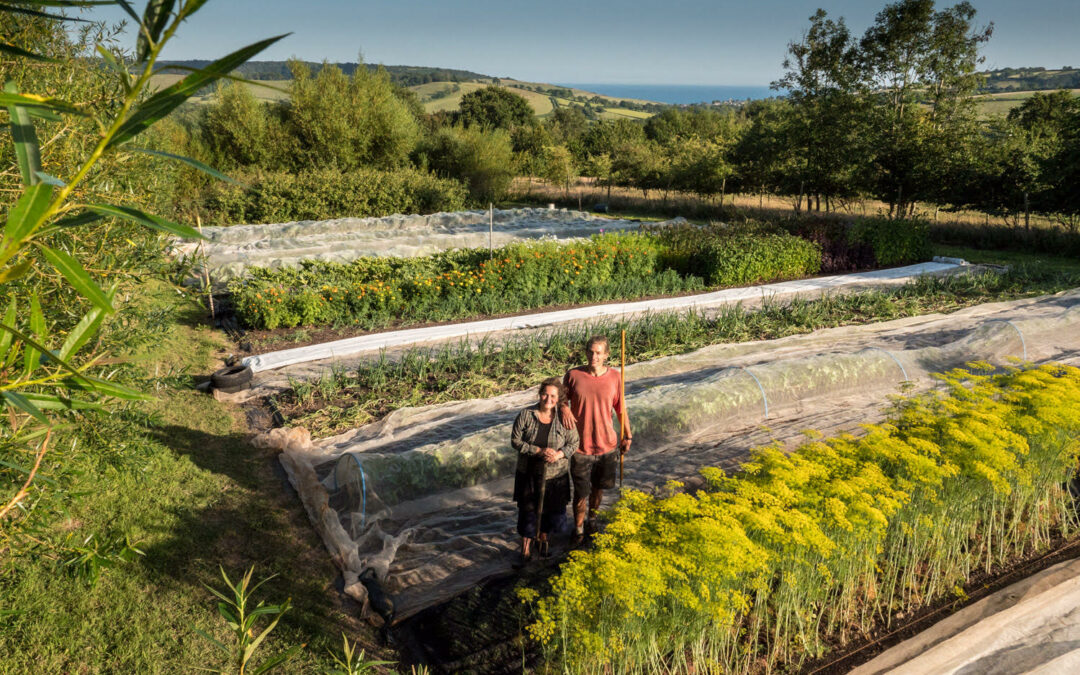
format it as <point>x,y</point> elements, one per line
<point>232,378</point>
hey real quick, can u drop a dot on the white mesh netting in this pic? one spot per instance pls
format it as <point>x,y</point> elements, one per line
<point>424,496</point>
<point>230,250</point>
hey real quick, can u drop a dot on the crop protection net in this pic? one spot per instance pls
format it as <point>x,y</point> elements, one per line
<point>232,249</point>
<point>423,497</point>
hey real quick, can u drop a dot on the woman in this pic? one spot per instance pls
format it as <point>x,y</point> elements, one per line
<point>542,479</point>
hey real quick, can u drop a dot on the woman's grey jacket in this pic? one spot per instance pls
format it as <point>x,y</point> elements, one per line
<point>523,439</point>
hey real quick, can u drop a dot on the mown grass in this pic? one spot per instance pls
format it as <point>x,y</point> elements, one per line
<point>341,400</point>
<point>177,478</point>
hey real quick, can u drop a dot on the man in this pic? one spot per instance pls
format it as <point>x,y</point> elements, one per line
<point>593,394</point>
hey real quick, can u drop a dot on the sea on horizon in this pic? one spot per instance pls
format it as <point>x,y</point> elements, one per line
<point>679,93</point>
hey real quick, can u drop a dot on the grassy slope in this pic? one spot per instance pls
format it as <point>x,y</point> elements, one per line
<point>990,105</point>
<point>179,478</point>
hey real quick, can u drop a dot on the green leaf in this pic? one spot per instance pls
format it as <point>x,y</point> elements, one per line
<point>151,221</point>
<point>43,114</point>
<point>84,330</point>
<point>277,660</point>
<point>190,7</point>
<point>23,134</point>
<point>10,98</point>
<point>129,9</point>
<point>262,636</point>
<point>76,275</point>
<point>110,60</point>
<point>16,271</point>
<point>8,48</point>
<point>16,9</point>
<point>34,350</point>
<point>165,101</point>
<point>51,180</point>
<point>191,162</point>
<point>41,349</point>
<point>105,388</point>
<point>17,400</point>
<point>215,642</point>
<point>27,212</point>
<point>5,337</point>
<point>50,402</point>
<point>26,471</point>
<point>155,18</point>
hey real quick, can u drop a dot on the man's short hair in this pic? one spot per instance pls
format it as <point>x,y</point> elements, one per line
<point>598,340</point>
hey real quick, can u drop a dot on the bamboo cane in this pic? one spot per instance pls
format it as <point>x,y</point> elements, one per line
<point>622,397</point>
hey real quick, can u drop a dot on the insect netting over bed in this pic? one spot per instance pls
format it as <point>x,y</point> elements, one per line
<point>230,250</point>
<point>424,496</point>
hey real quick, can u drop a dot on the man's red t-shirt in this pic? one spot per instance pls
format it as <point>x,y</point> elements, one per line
<point>593,400</point>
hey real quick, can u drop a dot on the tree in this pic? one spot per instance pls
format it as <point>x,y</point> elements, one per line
<point>495,108</point>
<point>559,168</point>
<point>481,158</point>
<point>912,54</point>
<point>823,81</point>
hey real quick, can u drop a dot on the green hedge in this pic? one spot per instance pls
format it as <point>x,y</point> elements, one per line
<point>895,242</point>
<point>323,194</point>
<point>748,258</point>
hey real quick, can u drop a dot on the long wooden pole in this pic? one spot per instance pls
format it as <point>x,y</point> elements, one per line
<point>622,398</point>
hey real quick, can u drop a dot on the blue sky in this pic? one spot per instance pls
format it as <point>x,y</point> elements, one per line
<point>668,41</point>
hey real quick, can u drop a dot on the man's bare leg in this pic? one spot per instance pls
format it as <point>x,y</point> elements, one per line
<point>595,498</point>
<point>580,508</point>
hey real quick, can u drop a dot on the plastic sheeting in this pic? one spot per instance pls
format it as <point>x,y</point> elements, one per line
<point>1032,626</point>
<point>423,496</point>
<point>230,250</point>
<point>727,296</point>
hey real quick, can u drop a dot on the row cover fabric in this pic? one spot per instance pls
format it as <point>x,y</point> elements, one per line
<point>230,250</point>
<point>728,296</point>
<point>423,496</point>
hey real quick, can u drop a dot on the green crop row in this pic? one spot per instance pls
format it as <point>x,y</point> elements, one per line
<point>802,551</point>
<point>375,292</point>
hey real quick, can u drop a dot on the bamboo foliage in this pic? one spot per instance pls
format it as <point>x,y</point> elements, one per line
<point>44,368</point>
<point>815,547</point>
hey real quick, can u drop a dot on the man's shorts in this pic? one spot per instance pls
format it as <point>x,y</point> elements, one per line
<point>593,472</point>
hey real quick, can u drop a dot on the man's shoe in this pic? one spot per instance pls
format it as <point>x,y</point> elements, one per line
<point>577,539</point>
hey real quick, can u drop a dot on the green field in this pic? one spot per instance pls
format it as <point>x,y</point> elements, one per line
<point>993,105</point>
<point>265,90</point>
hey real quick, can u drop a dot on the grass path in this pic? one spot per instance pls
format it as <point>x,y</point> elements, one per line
<point>178,478</point>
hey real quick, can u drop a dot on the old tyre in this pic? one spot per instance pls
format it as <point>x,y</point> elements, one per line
<point>232,378</point>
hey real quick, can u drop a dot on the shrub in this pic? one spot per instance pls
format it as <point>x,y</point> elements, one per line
<point>772,565</point>
<point>483,159</point>
<point>746,258</point>
<point>895,242</point>
<point>320,194</point>
<point>838,252</point>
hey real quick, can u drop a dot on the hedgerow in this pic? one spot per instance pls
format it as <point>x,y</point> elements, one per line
<point>372,292</point>
<point>803,550</point>
<point>320,194</point>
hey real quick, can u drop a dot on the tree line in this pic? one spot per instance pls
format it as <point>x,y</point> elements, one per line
<point>886,115</point>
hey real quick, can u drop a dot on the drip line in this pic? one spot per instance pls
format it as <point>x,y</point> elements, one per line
<point>1023,343</point>
<point>893,357</point>
<point>764,398</point>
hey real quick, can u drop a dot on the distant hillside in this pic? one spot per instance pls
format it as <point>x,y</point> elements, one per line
<point>544,98</point>
<point>1031,79</point>
<point>406,76</point>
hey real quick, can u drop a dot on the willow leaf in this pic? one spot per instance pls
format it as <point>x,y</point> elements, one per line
<point>150,220</point>
<point>17,400</point>
<point>27,212</point>
<point>190,162</point>
<point>76,275</point>
<point>155,18</point>
<point>23,134</point>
